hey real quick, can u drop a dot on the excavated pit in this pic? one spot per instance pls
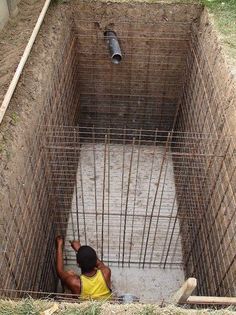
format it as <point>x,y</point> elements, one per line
<point>134,159</point>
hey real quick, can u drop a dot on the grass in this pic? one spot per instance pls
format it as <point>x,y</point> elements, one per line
<point>148,310</point>
<point>224,12</point>
<point>224,15</point>
<point>92,309</point>
<point>36,307</point>
<point>24,307</point>
<point>14,118</point>
<point>3,147</point>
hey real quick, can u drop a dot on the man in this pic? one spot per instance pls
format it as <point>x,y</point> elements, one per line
<point>95,279</point>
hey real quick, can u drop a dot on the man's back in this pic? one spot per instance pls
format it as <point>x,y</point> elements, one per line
<point>94,287</point>
<point>95,280</point>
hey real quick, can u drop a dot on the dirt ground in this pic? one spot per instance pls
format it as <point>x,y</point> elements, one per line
<point>28,96</point>
<point>13,39</point>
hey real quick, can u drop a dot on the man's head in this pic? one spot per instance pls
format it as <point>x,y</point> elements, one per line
<point>86,258</point>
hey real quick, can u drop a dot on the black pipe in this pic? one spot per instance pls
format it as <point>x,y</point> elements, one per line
<point>113,46</point>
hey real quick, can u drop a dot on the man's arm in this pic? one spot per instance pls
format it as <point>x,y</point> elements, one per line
<point>75,245</point>
<point>70,280</point>
<point>59,259</point>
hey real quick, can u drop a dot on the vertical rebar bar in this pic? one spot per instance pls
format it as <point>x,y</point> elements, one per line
<point>82,195</point>
<point>158,213</point>
<point>95,185</point>
<point>148,199</point>
<point>135,197</point>
<point>167,232</point>
<point>121,196</point>
<point>155,197</point>
<point>127,200</point>
<point>103,194</point>
<point>171,238</point>
<point>108,195</point>
<point>77,207</point>
<point>76,188</point>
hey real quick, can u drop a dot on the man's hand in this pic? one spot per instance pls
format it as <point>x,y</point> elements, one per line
<point>59,241</point>
<point>75,245</point>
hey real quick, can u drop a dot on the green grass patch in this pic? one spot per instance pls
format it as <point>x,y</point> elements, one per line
<point>148,310</point>
<point>224,16</point>
<point>23,307</point>
<point>36,307</point>
<point>92,309</point>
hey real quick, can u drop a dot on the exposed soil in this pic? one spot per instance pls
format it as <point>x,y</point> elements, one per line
<point>30,96</point>
<point>13,39</point>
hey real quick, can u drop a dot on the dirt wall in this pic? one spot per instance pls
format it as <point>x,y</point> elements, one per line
<point>208,106</point>
<point>46,95</point>
<point>143,90</point>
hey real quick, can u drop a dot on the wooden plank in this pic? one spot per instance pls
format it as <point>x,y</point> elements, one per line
<point>51,310</point>
<point>181,296</point>
<point>211,300</point>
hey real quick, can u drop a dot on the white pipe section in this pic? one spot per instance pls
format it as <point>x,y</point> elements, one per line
<point>22,62</point>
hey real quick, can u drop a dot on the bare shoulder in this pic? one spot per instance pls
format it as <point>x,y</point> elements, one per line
<point>106,271</point>
<point>104,268</point>
<point>73,283</point>
<point>75,280</point>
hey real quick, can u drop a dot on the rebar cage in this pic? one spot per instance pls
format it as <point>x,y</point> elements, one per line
<point>135,195</point>
<point>133,190</point>
<point>148,176</point>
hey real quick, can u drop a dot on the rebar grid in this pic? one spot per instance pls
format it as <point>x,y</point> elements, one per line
<point>144,90</point>
<point>121,191</point>
<point>27,231</point>
<point>140,196</point>
<point>125,202</point>
<point>211,252</point>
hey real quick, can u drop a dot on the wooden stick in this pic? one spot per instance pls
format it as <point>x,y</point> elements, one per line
<point>51,310</point>
<point>185,291</point>
<point>23,60</point>
<point>211,300</point>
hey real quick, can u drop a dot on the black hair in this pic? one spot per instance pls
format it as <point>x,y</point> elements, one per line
<point>86,258</point>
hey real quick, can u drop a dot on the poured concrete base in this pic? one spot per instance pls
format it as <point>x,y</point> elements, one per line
<point>149,284</point>
<point>132,238</point>
<point>127,210</point>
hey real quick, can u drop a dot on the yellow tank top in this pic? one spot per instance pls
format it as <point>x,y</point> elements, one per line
<point>94,287</point>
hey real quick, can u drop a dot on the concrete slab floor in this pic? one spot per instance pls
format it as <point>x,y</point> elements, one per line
<point>148,284</point>
<point>163,243</point>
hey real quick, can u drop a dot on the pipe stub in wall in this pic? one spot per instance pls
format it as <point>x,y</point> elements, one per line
<point>113,46</point>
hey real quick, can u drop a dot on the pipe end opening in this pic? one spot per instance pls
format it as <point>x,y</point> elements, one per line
<point>116,59</point>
